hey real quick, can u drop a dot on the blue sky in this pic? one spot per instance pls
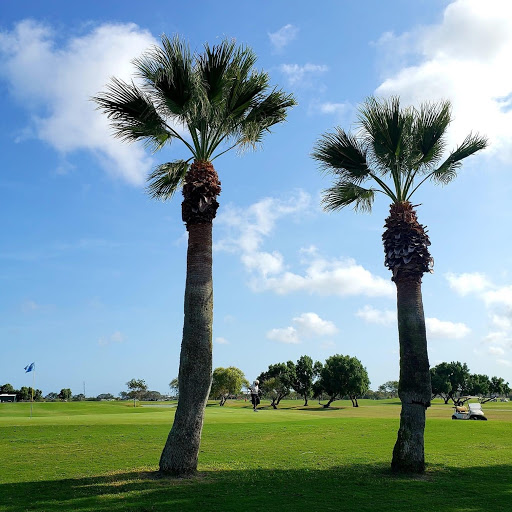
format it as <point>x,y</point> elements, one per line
<point>92,270</point>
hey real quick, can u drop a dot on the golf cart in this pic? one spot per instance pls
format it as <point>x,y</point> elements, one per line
<point>471,412</point>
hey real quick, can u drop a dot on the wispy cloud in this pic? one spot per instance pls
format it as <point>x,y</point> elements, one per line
<point>221,341</point>
<point>115,337</point>
<point>465,58</point>
<point>436,329</point>
<point>283,37</point>
<point>60,109</point>
<point>307,325</point>
<point>246,232</point>
<point>442,329</point>
<point>375,316</point>
<point>302,75</point>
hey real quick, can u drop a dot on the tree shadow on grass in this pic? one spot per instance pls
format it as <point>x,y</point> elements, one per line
<point>361,487</point>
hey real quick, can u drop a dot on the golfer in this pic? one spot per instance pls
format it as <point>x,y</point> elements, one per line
<point>255,398</point>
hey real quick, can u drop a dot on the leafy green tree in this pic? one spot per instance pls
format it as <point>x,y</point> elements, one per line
<point>478,385</point>
<point>136,387</point>
<point>389,389</point>
<point>52,396</point>
<point>211,102</point>
<point>105,396</point>
<point>394,152</point>
<point>174,387</point>
<point>343,376</point>
<point>498,386</point>
<point>440,379</point>
<point>277,381</point>
<point>7,389</point>
<point>65,394</point>
<point>304,375</point>
<point>226,382</point>
<point>152,396</point>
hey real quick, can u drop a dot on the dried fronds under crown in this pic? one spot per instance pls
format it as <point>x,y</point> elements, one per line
<point>200,191</point>
<point>406,243</point>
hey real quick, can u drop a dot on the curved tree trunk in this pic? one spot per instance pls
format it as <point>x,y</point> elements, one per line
<point>406,247</point>
<point>179,456</point>
<point>414,388</point>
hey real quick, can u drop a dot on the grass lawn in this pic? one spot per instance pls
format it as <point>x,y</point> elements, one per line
<point>103,456</point>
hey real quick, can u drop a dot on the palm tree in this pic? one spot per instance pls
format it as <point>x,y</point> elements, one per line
<point>211,102</point>
<point>394,152</point>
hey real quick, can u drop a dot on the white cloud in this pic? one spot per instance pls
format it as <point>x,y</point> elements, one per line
<point>501,322</point>
<point>504,362</point>
<point>443,329</point>
<point>502,338</point>
<point>465,284</point>
<point>310,324</point>
<point>343,277</point>
<point>245,232</point>
<point>283,36</point>
<point>55,84</point>
<point>285,335</point>
<point>300,75</point>
<point>499,297</point>
<point>466,59</point>
<point>307,325</point>
<point>116,337</point>
<point>496,351</point>
<point>333,108</point>
<point>376,316</point>
<point>221,341</point>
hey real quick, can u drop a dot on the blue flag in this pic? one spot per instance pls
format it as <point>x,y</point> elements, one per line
<point>30,367</point>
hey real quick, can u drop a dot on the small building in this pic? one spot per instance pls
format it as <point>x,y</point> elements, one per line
<point>6,397</point>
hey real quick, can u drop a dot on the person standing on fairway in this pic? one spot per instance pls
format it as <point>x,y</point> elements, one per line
<point>255,398</point>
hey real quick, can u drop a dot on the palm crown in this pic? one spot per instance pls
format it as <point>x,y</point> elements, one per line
<point>212,102</point>
<point>396,148</point>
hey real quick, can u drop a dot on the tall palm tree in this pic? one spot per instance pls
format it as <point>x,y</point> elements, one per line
<point>211,102</point>
<point>394,152</point>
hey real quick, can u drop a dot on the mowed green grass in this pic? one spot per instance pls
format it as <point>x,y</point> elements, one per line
<point>91,456</point>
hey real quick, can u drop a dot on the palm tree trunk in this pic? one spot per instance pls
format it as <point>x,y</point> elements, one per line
<point>414,387</point>
<point>180,453</point>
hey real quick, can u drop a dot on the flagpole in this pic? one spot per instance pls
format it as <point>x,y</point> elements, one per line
<point>33,385</point>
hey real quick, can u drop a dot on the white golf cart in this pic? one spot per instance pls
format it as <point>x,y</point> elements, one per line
<point>471,412</point>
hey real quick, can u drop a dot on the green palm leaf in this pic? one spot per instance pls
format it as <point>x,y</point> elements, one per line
<point>430,125</point>
<point>166,179</point>
<point>133,114</point>
<point>343,154</point>
<point>167,72</point>
<point>448,169</point>
<point>346,193</point>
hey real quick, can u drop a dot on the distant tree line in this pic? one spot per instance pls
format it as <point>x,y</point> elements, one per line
<point>22,394</point>
<point>339,377</point>
<point>452,381</point>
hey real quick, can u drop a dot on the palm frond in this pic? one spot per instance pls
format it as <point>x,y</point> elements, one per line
<point>386,128</point>
<point>167,71</point>
<point>166,179</point>
<point>448,169</point>
<point>132,113</point>
<point>343,154</point>
<point>263,115</point>
<point>431,122</point>
<point>346,193</point>
<point>212,68</point>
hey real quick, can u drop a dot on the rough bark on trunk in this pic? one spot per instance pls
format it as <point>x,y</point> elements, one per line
<point>331,400</point>
<point>406,247</point>
<point>179,456</point>
<point>414,387</point>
